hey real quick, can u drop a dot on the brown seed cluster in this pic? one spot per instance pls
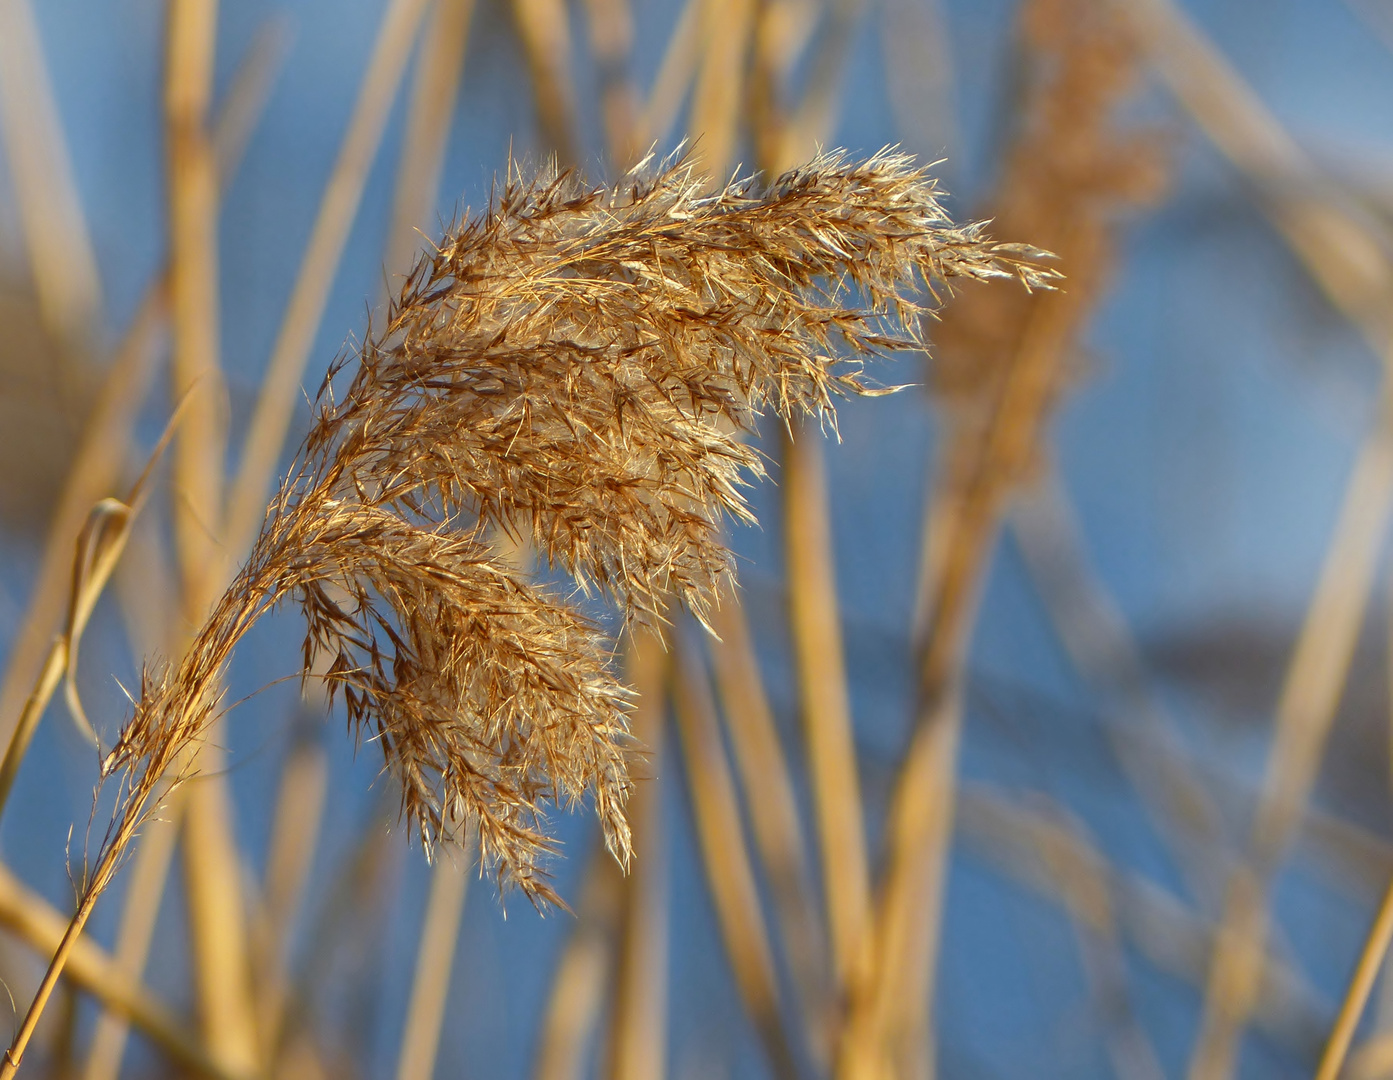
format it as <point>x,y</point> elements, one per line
<point>574,367</point>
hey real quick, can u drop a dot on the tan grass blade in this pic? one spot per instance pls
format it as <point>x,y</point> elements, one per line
<point>638,1025</point>
<point>278,398</point>
<point>1305,712</point>
<point>41,926</point>
<point>767,783</point>
<point>294,836</point>
<point>434,91</point>
<point>825,704</point>
<point>425,1011</point>
<point>729,873</point>
<point>583,974</point>
<point>93,474</point>
<point>544,26</point>
<point>61,258</point>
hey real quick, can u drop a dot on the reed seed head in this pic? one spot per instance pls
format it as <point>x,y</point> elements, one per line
<point>575,367</point>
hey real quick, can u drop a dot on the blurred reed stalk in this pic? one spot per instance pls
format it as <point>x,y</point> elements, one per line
<point>544,28</point>
<point>637,1040</point>
<point>1371,959</point>
<point>1346,262</point>
<point>729,870</point>
<point>1101,647</point>
<point>1008,835</point>
<point>212,870</point>
<point>766,781</point>
<point>1000,367</point>
<point>585,970</point>
<point>236,120</point>
<point>54,228</point>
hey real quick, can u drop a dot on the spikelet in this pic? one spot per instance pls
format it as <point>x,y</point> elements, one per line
<point>575,367</point>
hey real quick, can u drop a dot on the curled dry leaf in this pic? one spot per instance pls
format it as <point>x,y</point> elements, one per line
<point>575,367</point>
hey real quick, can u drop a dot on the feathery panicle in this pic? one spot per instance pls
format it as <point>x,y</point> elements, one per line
<point>576,367</point>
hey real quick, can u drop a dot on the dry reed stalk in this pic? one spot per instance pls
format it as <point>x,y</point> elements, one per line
<point>425,1010</point>
<point>1341,253</point>
<point>31,918</point>
<point>717,98</point>
<point>434,91</point>
<point>103,447</point>
<point>1096,637</point>
<point>1355,274</point>
<point>814,120</point>
<point>637,1042</point>
<point>814,620</point>
<point>1383,1007</point>
<point>1164,931</point>
<point>611,43</point>
<point>236,120</point>
<point>825,707</point>
<point>278,397</point>
<point>212,870</point>
<point>1373,1060</point>
<point>1000,370</point>
<point>675,74</point>
<point>1311,693</point>
<point>561,368</point>
<point>61,258</point>
<point>544,27</point>
<point>197,374</point>
<point>1371,958</point>
<point>347,922</point>
<point>767,783</point>
<point>294,835</point>
<point>734,892</point>
<point>582,976</point>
